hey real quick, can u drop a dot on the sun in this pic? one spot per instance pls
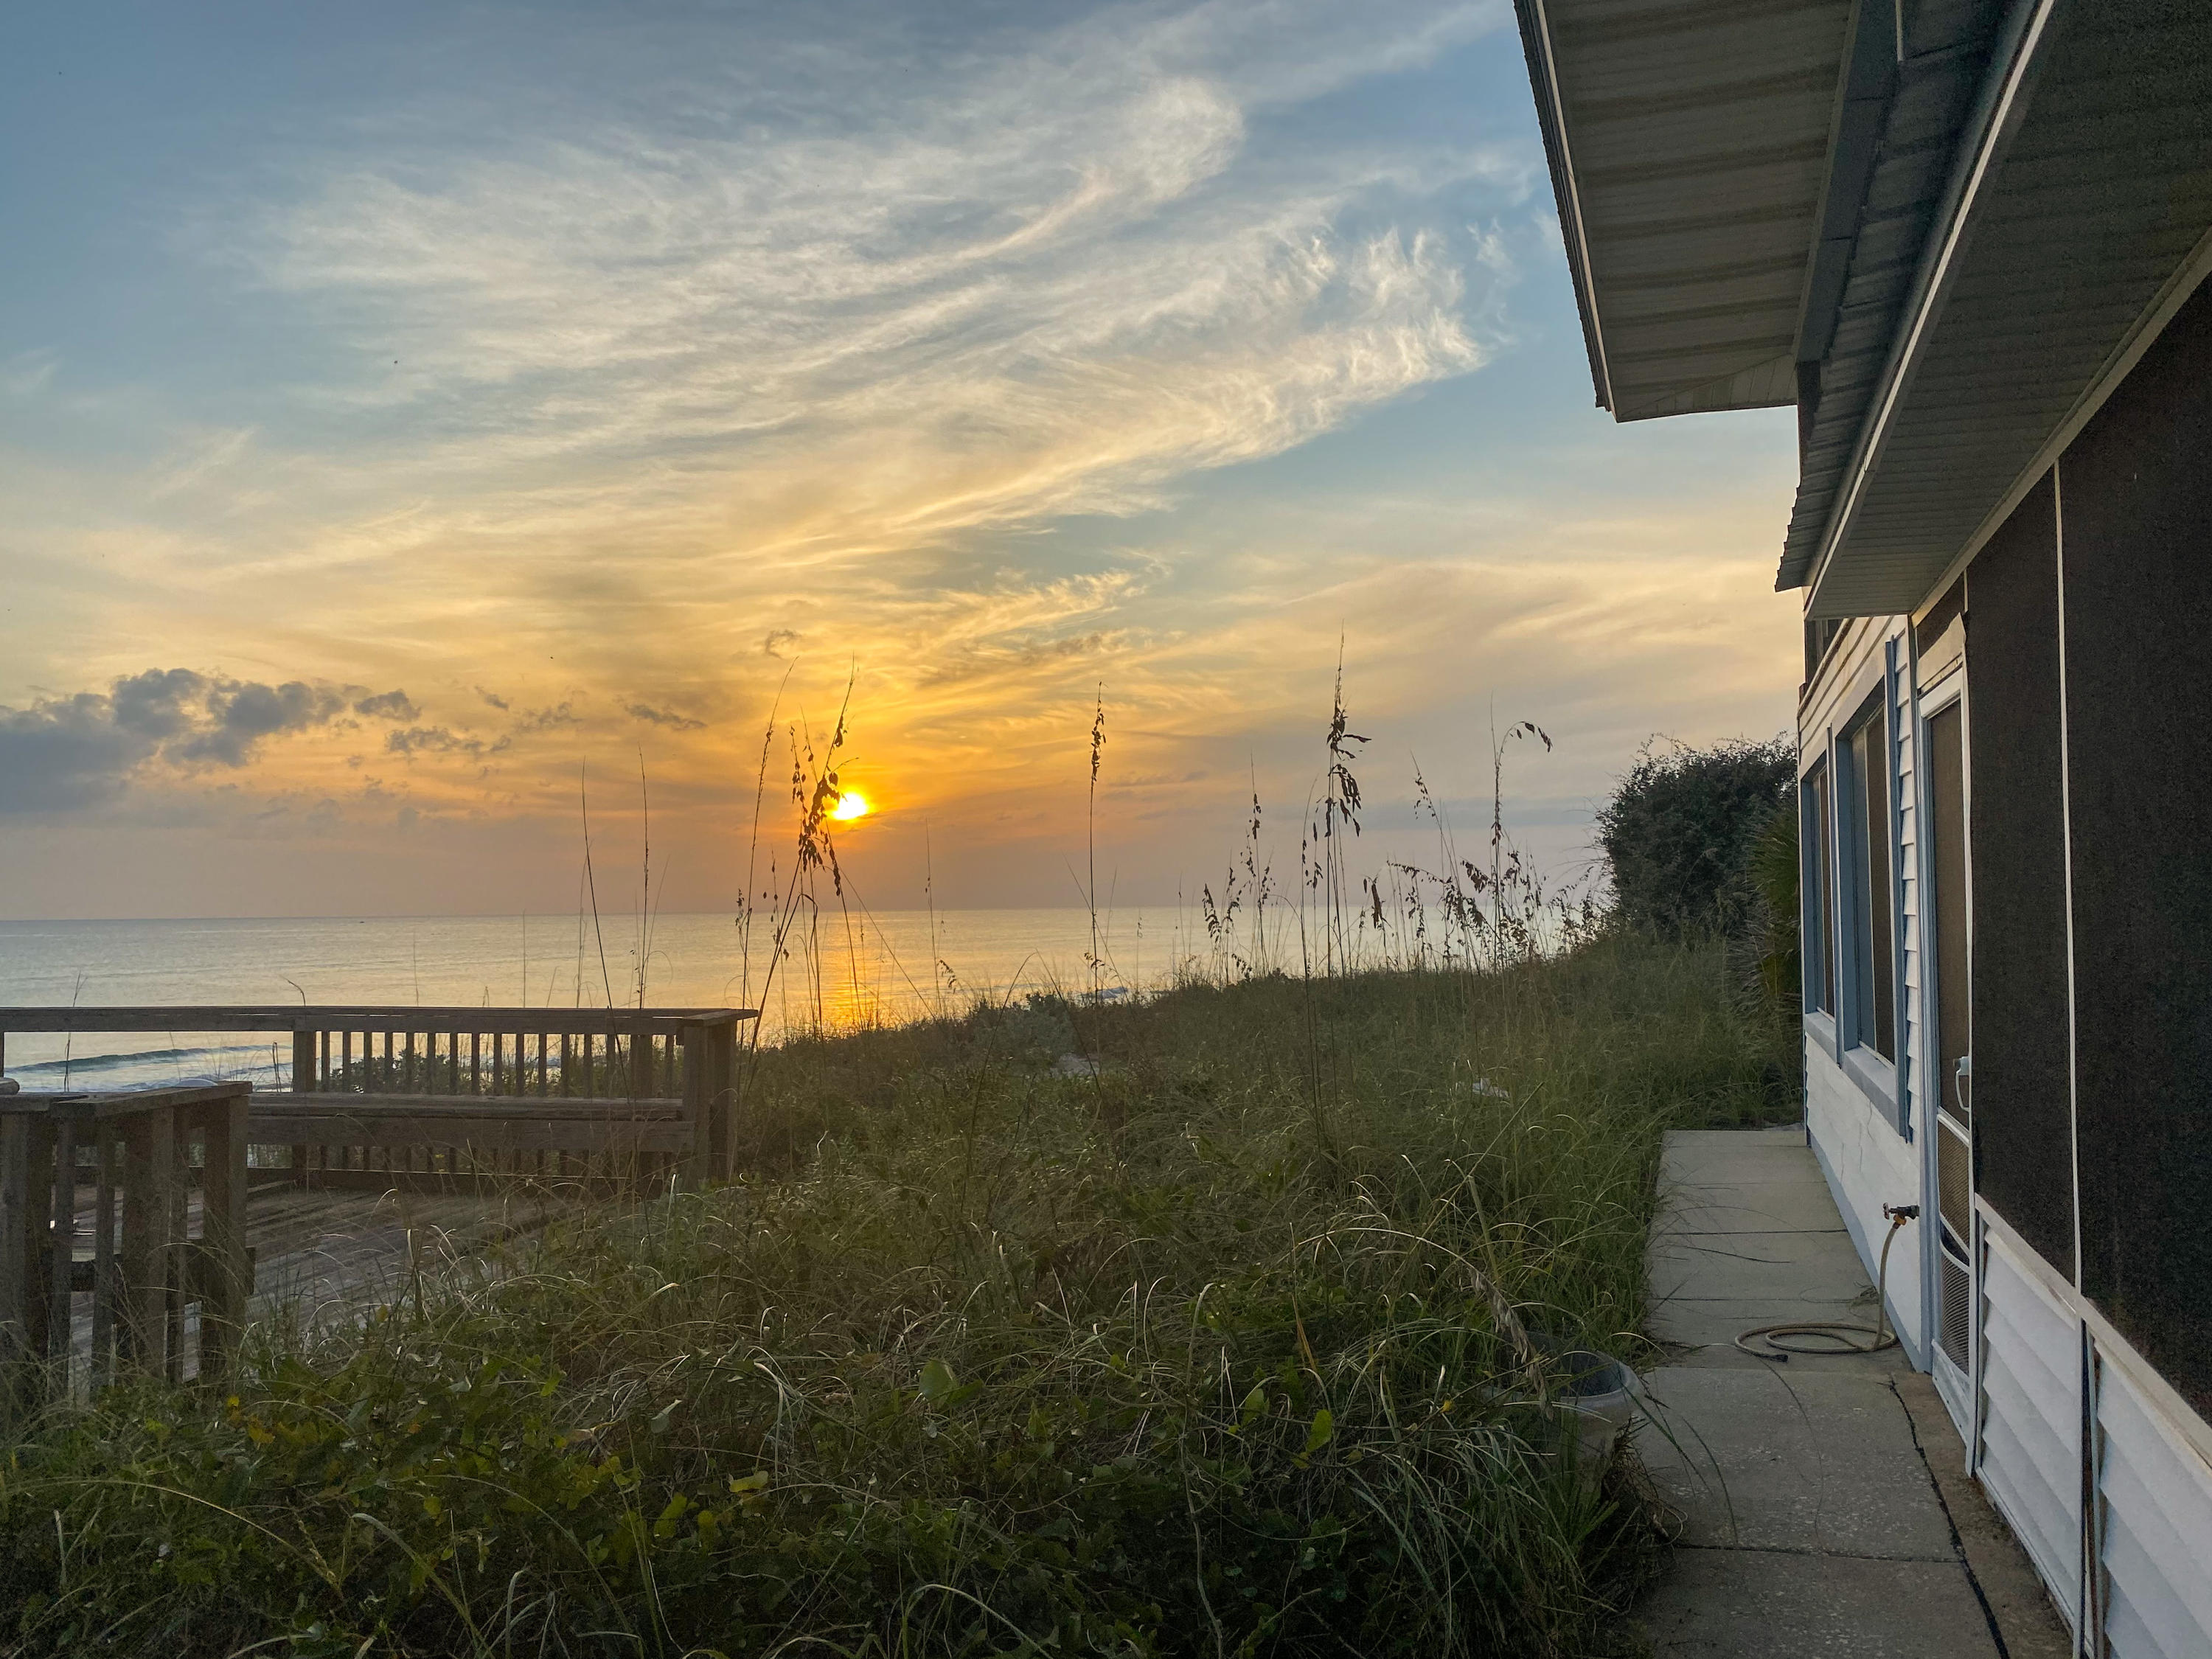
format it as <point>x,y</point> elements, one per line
<point>851,804</point>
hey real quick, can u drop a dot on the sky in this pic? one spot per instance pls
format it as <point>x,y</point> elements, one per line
<point>421,425</point>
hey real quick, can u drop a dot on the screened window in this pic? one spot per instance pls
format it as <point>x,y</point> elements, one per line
<point>1869,961</point>
<point>1819,889</point>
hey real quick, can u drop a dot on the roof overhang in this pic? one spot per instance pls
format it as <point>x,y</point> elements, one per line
<point>1688,145</point>
<point>2002,205</point>
<point>2077,217</point>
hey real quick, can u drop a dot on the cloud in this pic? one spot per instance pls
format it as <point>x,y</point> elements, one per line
<point>65,752</point>
<point>441,740</point>
<point>62,753</point>
<point>653,716</point>
<point>393,705</point>
<point>199,459</point>
<point>871,349</point>
<point>414,741</point>
<point>158,703</point>
<point>27,375</point>
<point>239,715</point>
<point>894,309</point>
<point>545,719</point>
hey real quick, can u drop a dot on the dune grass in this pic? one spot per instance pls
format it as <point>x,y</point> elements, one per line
<point>1237,1347</point>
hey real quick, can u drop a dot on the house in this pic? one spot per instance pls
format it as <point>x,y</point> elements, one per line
<point>1967,240</point>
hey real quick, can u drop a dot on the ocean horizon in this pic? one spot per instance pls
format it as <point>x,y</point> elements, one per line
<point>847,971</point>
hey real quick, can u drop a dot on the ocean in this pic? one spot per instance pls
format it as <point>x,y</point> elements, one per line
<point>851,971</point>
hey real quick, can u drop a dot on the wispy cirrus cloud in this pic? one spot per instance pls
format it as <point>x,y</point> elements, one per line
<point>1049,282</point>
<point>612,380</point>
<point>807,348</point>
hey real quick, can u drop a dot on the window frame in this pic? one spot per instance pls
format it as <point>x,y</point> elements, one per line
<point>1937,691</point>
<point>1866,919</point>
<point>1872,692</point>
<point>1816,924</point>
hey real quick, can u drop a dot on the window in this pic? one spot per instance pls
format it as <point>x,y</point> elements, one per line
<point>1869,962</point>
<point>1819,889</point>
<point>1818,636</point>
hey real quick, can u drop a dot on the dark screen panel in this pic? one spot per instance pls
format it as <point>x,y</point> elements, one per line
<point>1882,962</point>
<point>1817,887</point>
<point>1870,1020</point>
<point>2022,1107</point>
<point>1945,902</point>
<point>1818,636</point>
<point>2136,499</point>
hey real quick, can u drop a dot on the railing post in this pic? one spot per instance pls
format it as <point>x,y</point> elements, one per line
<point>226,1267</point>
<point>640,1061</point>
<point>176,1245</point>
<point>60,1258</point>
<point>37,1217</point>
<point>103,1257</point>
<point>723,1046</point>
<point>18,1214</point>
<point>698,1108</point>
<point>303,1066</point>
<point>150,1146</point>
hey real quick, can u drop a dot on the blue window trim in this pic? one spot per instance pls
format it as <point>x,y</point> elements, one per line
<point>1815,883</point>
<point>1904,723</point>
<point>1876,1078</point>
<point>1882,1080</point>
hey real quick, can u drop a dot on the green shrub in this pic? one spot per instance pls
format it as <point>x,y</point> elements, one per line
<point>1763,949</point>
<point>1678,831</point>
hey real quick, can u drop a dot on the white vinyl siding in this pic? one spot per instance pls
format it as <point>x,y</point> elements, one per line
<point>2147,1540</point>
<point>2031,1427</point>
<point>1851,1106</point>
<point>2156,1498</point>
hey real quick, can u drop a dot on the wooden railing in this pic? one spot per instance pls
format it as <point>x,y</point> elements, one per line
<point>385,1096</point>
<point>166,1230</point>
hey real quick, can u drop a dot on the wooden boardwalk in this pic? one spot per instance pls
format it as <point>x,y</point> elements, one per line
<point>146,1229</point>
<point>329,1254</point>
<point>321,1251</point>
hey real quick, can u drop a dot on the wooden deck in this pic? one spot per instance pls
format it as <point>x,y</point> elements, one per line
<point>146,1229</point>
<point>399,1097</point>
<point>320,1251</point>
<point>328,1255</point>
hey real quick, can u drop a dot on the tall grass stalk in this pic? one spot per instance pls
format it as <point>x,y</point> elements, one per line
<point>1095,962</point>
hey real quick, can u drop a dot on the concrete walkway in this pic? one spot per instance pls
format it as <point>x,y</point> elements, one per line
<point>1826,1507</point>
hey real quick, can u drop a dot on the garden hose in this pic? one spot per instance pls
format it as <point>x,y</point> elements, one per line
<point>1844,1336</point>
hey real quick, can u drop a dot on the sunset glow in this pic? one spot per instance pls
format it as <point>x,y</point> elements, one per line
<point>850,804</point>
<point>956,376</point>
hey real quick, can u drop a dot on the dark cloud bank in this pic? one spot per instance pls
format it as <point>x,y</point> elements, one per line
<point>66,753</point>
